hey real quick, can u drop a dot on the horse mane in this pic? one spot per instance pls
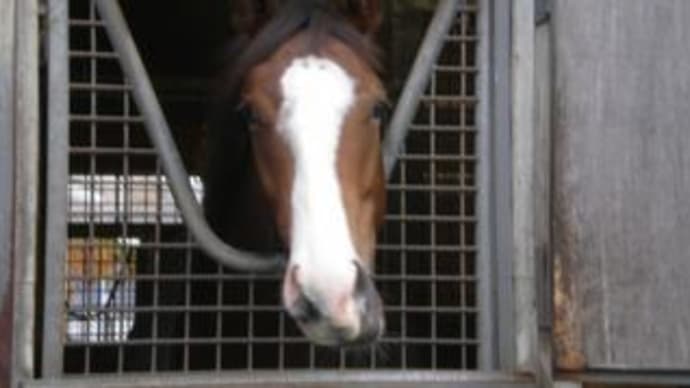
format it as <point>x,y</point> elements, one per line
<point>228,168</point>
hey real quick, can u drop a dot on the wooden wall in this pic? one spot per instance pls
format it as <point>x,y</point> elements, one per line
<point>622,183</point>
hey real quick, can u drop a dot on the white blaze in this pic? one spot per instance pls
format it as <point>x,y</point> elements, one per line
<point>317,94</point>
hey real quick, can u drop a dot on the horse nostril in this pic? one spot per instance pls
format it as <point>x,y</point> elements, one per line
<point>305,310</point>
<point>291,286</point>
<point>292,277</point>
<point>370,306</point>
<point>363,283</point>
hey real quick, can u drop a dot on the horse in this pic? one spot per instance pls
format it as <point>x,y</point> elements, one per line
<point>294,159</point>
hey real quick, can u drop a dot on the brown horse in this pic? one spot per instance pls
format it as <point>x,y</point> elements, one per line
<point>295,158</point>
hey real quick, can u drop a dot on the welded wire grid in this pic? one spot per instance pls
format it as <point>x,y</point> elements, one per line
<point>140,299</point>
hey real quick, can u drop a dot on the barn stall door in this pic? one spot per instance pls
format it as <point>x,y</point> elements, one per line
<point>622,184</point>
<point>126,298</point>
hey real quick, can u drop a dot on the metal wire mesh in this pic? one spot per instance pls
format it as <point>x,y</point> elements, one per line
<point>139,298</point>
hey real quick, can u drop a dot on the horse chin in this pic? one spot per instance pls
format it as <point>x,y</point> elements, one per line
<point>324,334</point>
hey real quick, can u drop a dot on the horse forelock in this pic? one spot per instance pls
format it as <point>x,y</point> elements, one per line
<point>318,19</point>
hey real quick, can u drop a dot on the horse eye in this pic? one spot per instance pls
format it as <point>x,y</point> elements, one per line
<point>381,112</point>
<point>248,115</point>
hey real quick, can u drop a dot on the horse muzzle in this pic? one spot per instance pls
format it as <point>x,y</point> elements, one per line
<point>354,320</point>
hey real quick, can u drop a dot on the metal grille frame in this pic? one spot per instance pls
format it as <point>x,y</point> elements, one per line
<point>430,245</point>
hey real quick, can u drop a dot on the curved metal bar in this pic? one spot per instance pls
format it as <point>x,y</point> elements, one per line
<point>174,169</point>
<point>417,82</point>
<point>159,132</point>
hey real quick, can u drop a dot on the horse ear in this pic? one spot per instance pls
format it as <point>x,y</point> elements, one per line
<point>249,16</point>
<point>366,15</point>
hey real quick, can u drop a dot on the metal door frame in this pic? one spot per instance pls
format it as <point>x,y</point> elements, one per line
<point>495,208</point>
<point>19,186</point>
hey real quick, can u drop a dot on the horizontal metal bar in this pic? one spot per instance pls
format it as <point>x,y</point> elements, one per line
<point>261,340</point>
<point>407,187</point>
<point>243,277</point>
<point>78,218</point>
<point>438,158</point>
<point>629,376</point>
<point>462,38</point>
<point>427,248</point>
<point>161,278</point>
<point>86,23</point>
<point>100,87</point>
<point>461,69</point>
<point>242,308</point>
<point>84,214</point>
<point>109,220</point>
<point>448,100</point>
<point>456,279</point>
<point>93,54</point>
<point>124,151</point>
<point>160,134</point>
<point>317,378</point>
<point>462,130</point>
<point>77,242</point>
<point>431,218</point>
<point>143,246</point>
<point>187,341</point>
<point>106,119</point>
